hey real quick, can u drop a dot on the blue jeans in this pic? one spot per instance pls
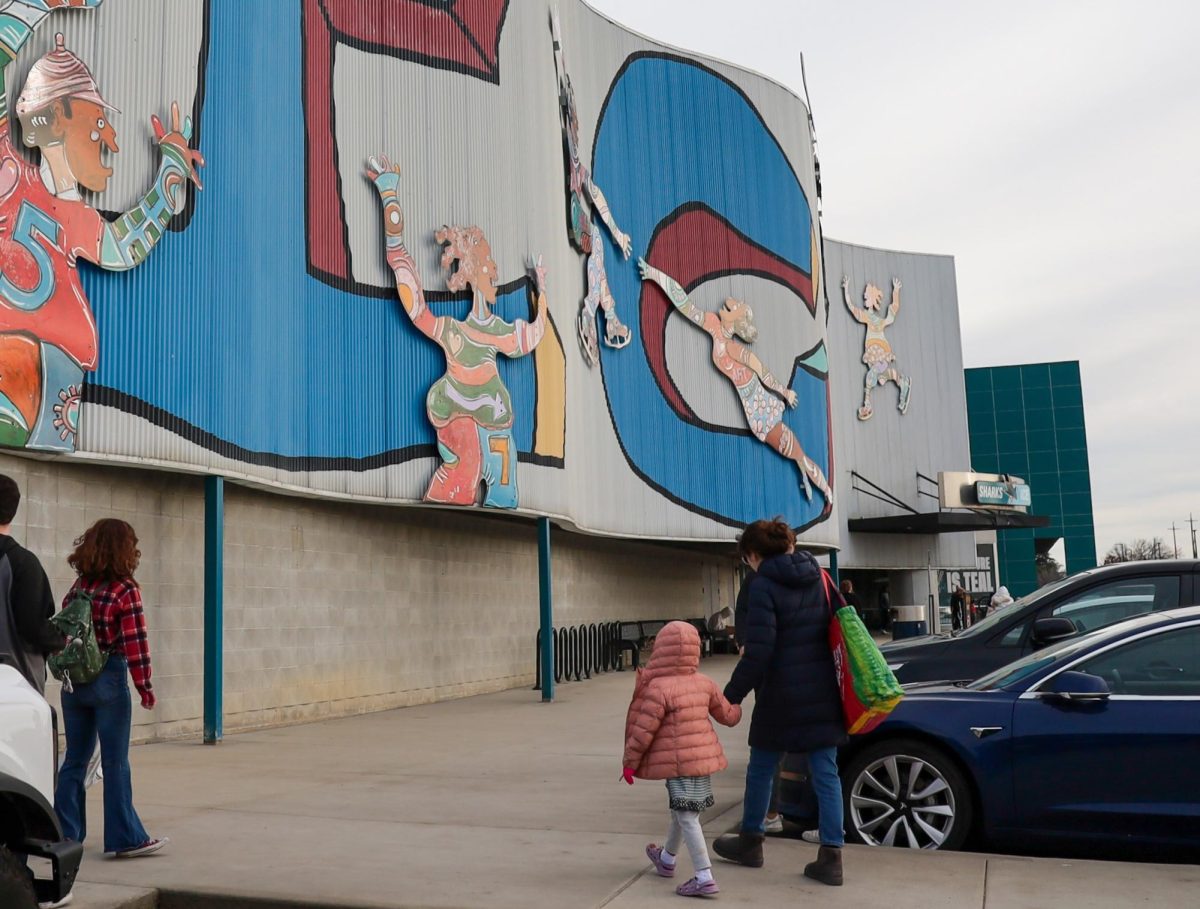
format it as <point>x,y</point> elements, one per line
<point>822,763</point>
<point>101,708</point>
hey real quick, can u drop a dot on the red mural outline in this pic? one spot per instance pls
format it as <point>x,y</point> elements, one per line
<point>458,35</point>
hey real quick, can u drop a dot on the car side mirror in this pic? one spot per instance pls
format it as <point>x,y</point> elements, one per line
<point>1051,630</point>
<point>1077,687</point>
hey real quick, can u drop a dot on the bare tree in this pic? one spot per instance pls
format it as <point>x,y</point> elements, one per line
<point>1138,551</point>
<point>1048,568</point>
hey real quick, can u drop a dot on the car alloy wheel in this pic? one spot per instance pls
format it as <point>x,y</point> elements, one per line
<point>902,799</point>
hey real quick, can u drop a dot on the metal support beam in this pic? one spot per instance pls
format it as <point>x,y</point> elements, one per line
<point>214,588</point>
<point>546,597</point>
<point>833,566</point>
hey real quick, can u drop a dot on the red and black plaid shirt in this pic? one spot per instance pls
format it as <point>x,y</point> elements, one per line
<point>120,624</point>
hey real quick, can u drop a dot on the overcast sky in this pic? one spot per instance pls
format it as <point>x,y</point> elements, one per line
<point>1053,148</point>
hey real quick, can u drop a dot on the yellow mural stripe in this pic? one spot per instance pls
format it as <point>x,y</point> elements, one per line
<point>550,365</point>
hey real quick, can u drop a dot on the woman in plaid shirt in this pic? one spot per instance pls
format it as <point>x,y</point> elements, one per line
<point>105,558</point>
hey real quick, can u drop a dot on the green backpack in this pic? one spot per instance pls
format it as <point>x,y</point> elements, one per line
<point>82,660</point>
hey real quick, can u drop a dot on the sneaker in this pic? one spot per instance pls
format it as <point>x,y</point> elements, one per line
<point>147,848</point>
<point>654,853</point>
<point>773,824</point>
<point>65,901</point>
<point>811,836</point>
<point>693,887</point>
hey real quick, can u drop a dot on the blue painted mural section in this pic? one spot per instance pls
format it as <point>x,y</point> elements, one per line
<point>675,133</point>
<point>223,327</point>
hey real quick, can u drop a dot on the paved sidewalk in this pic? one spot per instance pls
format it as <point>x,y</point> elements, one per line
<point>502,801</point>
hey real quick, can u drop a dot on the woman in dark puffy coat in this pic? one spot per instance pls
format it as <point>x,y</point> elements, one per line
<point>798,707</point>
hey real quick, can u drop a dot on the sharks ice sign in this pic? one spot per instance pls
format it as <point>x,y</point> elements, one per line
<point>1006,493</point>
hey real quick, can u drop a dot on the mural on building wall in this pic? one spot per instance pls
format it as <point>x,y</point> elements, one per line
<point>48,335</point>
<point>469,406</point>
<point>461,36</point>
<point>342,407</point>
<point>672,183</point>
<point>877,352</point>
<point>584,196</point>
<point>762,396</point>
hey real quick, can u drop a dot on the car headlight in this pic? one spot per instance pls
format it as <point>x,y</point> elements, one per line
<point>895,667</point>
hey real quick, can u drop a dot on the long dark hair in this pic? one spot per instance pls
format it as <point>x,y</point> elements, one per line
<point>766,539</point>
<point>107,551</point>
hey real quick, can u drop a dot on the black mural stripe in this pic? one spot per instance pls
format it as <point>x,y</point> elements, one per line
<point>105,396</point>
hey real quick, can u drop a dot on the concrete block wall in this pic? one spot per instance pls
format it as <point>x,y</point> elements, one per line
<point>338,608</point>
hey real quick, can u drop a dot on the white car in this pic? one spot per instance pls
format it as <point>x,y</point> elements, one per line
<point>28,824</point>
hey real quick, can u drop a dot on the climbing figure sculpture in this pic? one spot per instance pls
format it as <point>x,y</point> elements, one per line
<point>469,406</point>
<point>762,395</point>
<point>48,337</point>
<point>586,199</point>
<point>877,352</point>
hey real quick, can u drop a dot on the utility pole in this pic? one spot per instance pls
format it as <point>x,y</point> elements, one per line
<point>1192,521</point>
<point>1175,539</point>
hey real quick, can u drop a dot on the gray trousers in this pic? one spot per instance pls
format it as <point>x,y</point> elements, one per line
<point>685,825</point>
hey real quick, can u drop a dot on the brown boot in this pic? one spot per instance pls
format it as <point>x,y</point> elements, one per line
<point>743,848</point>
<point>827,868</point>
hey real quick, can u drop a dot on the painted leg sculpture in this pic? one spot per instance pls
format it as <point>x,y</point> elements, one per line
<point>456,481</point>
<point>616,334</point>
<point>784,441</point>
<point>499,468</point>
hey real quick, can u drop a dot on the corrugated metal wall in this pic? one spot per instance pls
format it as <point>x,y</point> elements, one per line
<point>264,339</point>
<point>891,448</point>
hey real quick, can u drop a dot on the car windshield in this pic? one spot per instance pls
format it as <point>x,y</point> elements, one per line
<point>995,617</point>
<point>1041,659</point>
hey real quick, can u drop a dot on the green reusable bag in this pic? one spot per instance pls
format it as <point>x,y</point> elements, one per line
<point>869,689</point>
<point>82,660</point>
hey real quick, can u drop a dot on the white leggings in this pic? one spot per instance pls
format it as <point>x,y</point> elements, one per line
<point>685,825</point>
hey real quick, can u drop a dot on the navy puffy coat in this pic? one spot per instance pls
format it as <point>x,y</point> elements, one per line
<point>787,659</point>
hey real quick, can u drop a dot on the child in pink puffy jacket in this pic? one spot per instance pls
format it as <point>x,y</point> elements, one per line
<point>669,736</point>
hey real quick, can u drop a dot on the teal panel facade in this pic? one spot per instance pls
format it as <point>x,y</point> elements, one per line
<point>1028,420</point>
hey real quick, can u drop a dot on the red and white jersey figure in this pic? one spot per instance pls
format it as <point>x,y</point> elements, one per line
<point>48,335</point>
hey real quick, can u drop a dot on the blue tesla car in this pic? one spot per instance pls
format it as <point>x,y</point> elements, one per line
<point>1093,742</point>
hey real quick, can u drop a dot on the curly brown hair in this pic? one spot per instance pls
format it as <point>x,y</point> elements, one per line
<point>766,539</point>
<point>107,551</point>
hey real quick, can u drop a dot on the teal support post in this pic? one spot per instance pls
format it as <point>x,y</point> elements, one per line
<point>833,566</point>
<point>214,588</point>
<point>547,610</point>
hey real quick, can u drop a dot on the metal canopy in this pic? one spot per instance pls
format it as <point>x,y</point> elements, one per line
<point>946,522</point>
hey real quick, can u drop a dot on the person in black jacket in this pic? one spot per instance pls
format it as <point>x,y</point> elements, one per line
<point>26,603</point>
<point>798,705</point>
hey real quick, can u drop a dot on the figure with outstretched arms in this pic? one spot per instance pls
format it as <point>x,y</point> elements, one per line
<point>762,395</point>
<point>469,406</point>
<point>587,200</point>
<point>877,352</point>
<point>48,337</point>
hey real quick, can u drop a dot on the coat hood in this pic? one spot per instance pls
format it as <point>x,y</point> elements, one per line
<point>792,569</point>
<point>676,652</point>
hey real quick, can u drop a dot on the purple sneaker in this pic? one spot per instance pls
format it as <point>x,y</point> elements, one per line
<point>654,853</point>
<point>694,888</point>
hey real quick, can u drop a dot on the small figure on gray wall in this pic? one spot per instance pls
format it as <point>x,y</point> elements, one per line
<point>877,352</point>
